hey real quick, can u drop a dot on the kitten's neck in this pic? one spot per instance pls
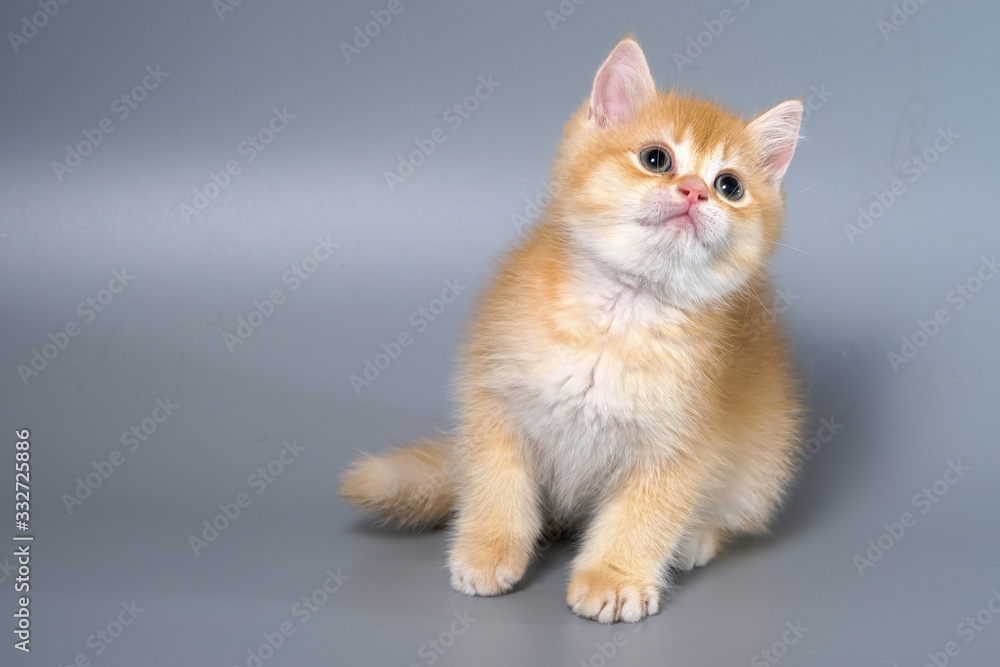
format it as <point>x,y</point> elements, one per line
<point>594,281</point>
<point>621,299</point>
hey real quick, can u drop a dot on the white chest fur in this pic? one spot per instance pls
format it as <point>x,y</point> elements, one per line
<point>588,414</point>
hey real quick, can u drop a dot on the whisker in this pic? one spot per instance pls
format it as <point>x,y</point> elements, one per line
<point>754,292</point>
<point>793,248</point>
<point>810,187</point>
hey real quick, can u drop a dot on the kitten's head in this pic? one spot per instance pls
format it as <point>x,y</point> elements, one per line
<point>672,191</point>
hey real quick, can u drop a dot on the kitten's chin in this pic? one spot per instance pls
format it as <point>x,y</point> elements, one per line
<point>683,221</point>
<point>693,238</point>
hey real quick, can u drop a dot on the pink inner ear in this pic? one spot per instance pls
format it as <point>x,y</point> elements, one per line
<point>611,97</point>
<point>622,85</point>
<point>780,161</point>
<point>777,133</point>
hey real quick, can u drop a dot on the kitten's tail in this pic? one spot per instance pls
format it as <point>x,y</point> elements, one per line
<point>412,485</point>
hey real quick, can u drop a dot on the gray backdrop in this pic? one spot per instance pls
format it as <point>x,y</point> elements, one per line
<point>251,156</point>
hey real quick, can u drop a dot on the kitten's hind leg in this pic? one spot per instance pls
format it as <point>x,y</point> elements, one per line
<point>700,545</point>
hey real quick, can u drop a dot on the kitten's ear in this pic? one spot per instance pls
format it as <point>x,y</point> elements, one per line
<point>776,132</point>
<point>621,86</point>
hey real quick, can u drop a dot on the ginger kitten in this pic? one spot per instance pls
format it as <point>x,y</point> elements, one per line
<point>622,375</point>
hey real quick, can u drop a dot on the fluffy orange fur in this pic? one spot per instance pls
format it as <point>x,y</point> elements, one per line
<point>623,375</point>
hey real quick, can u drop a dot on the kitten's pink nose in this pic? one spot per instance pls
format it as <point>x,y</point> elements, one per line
<point>694,189</point>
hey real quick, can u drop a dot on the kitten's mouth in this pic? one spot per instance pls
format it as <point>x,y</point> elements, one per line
<point>681,221</point>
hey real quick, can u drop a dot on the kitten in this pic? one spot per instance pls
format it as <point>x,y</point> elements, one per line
<point>622,374</point>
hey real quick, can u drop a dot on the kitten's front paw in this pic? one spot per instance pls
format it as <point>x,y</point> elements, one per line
<point>607,596</point>
<point>485,570</point>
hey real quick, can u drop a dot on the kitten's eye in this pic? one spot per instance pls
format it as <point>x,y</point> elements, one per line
<point>729,187</point>
<point>655,159</point>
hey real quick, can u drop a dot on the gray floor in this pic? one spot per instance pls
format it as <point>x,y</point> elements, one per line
<point>880,96</point>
